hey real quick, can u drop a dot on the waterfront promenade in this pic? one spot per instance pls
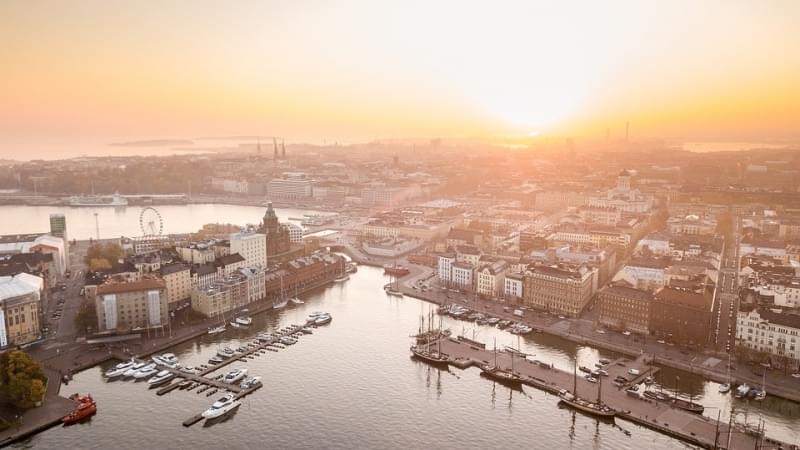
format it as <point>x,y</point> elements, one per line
<point>694,428</point>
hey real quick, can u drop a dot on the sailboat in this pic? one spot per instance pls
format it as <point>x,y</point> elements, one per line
<point>436,358</point>
<point>392,288</point>
<point>724,388</point>
<point>282,302</point>
<point>296,300</point>
<point>598,408</point>
<point>507,377</point>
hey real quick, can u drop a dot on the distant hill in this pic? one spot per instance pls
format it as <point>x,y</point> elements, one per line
<point>153,143</point>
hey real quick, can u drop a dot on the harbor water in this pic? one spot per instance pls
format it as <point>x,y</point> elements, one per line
<point>352,384</point>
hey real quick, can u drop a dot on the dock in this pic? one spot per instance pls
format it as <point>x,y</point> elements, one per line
<point>692,428</point>
<point>201,378</point>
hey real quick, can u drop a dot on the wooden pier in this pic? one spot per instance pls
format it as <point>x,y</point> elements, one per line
<point>693,428</point>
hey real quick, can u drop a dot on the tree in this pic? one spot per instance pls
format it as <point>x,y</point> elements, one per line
<point>109,252</point>
<point>22,378</point>
<point>86,318</point>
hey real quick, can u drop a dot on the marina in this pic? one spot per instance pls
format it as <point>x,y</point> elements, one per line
<point>306,386</point>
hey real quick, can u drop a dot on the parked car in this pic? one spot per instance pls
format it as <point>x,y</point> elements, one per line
<point>633,371</point>
<point>626,333</point>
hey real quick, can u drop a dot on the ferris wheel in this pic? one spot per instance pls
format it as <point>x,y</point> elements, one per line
<point>150,222</point>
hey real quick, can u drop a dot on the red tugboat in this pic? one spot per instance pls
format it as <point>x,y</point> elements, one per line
<point>86,407</point>
<point>395,270</point>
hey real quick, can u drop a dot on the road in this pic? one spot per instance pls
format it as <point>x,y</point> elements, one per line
<point>727,299</point>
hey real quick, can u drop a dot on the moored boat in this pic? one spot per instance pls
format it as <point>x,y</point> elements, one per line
<point>160,378</point>
<point>430,357</point>
<point>221,406</point>
<point>86,407</point>
<point>594,409</point>
<point>234,375</point>
<point>244,320</point>
<point>218,329</point>
<point>119,369</point>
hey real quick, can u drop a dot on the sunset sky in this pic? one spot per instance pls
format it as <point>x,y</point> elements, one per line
<point>350,70</point>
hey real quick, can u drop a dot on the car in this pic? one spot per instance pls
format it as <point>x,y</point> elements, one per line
<point>626,333</point>
<point>661,341</point>
<point>796,375</point>
<point>633,371</point>
<point>601,331</point>
<point>561,317</point>
<point>590,379</point>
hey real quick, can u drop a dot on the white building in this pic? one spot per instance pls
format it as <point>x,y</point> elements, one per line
<point>256,286</point>
<point>691,224</point>
<point>462,275</point>
<point>644,274</point>
<point>20,305</point>
<point>445,266</point>
<point>655,244</point>
<point>252,246</point>
<point>468,254</point>
<point>513,286</point>
<point>293,186</point>
<point>623,197</point>
<point>30,243</point>
<point>491,278</point>
<point>770,331</point>
<point>295,232</point>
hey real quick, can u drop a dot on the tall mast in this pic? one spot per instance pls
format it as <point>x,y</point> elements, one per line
<point>575,377</point>
<point>600,390</point>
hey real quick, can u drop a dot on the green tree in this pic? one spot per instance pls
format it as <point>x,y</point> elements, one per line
<point>22,378</point>
<point>86,318</point>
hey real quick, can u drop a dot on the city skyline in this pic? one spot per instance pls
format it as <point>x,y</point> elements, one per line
<point>358,71</point>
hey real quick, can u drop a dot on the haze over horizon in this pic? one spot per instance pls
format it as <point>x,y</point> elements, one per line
<point>97,71</point>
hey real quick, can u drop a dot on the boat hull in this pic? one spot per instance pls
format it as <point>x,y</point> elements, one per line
<point>578,406</point>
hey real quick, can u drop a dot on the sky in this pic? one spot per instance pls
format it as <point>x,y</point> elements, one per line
<point>361,70</point>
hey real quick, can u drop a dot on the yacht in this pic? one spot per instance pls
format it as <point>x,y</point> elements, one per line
<point>250,382</point>
<point>323,319</point>
<point>133,369</point>
<point>166,359</point>
<point>145,371</point>
<point>160,378</point>
<point>119,369</point>
<point>234,375</point>
<point>431,357</point>
<point>724,388</point>
<point>595,409</point>
<point>504,376</point>
<point>220,407</point>
<point>226,352</point>
<point>215,360</point>
<point>245,320</point>
<point>288,341</point>
<point>742,391</point>
<point>297,301</point>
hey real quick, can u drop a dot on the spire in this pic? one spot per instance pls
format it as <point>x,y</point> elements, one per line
<point>283,149</point>
<point>275,146</point>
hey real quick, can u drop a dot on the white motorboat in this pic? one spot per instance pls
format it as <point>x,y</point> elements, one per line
<point>133,369</point>
<point>119,369</point>
<point>166,359</point>
<point>250,382</point>
<point>724,388</point>
<point>236,325</point>
<point>226,352</point>
<point>217,329</point>
<point>234,375</point>
<point>220,407</point>
<point>145,371</point>
<point>288,341</point>
<point>190,370</point>
<point>322,320</point>
<point>160,378</point>
<point>297,301</point>
<point>244,320</point>
<point>215,360</point>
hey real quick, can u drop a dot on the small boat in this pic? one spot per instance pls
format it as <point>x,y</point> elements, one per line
<point>119,369</point>
<point>215,360</point>
<point>234,375</point>
<point>322,320</point>
<point>226,403</point>
<point>250,382</point>
<point>280,305</point>
<point>160,378</point>
<point>236,325</point>
<point>133,369</point>
<point>244,320</point>
<point>86,407</point>
<point>724,388</point>
<point>287,341</point>
<point>392,290</point>
<point>166,359</point>
<point>216,330</point>
<point>185,384</point>
<point>226,352</point>
<point>296,301</point>
<point>343,277</point>
<point>145,371</point>
<point>742,391</point>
